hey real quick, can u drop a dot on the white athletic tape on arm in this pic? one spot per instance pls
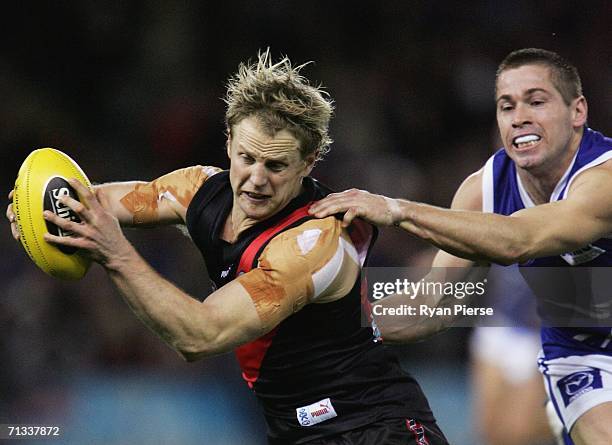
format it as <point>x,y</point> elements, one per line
<point>395,211</point>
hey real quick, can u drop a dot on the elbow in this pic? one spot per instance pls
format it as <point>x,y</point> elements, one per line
<point>192,351</point>
<point>198,347</point>
<point>515,251</point>
<point>190,357</point>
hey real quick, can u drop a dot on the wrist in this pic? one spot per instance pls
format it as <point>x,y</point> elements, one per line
<point>123,260</point>
<point>395,211</point>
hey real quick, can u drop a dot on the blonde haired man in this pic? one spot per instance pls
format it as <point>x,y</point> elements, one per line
<point>287,296</point>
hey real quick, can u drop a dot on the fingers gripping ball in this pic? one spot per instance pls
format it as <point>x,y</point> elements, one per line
<point>41,182</point>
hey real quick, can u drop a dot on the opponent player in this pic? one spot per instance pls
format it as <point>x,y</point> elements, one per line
<point>287,295</point>
<point>547,198</point>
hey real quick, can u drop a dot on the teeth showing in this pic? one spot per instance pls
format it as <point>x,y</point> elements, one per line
<point>526,141</point>
<point>255,195</point>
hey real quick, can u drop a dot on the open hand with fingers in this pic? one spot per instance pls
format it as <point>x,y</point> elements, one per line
<point>376,209</point>
<point>98,235</point>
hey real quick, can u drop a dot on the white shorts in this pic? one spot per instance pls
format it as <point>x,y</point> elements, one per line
<point>577,383</point>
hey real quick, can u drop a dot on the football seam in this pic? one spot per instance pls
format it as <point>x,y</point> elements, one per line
<point>42,254</point>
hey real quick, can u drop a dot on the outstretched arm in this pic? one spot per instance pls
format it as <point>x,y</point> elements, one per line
<point>158,202</point>
<point>162,201</point>
<point>543,230</point>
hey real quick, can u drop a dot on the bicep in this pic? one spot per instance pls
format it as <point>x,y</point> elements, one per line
<point>233,317</point>
<point>572,223</point>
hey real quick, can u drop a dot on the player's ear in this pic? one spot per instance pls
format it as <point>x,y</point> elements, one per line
<point>228,145</point>
<point>310,163</point>
<point>580,110</point>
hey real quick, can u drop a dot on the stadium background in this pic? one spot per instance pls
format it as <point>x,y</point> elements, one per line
<point>132,90</point>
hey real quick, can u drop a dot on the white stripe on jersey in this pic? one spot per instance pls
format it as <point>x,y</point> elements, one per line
<point>325,276</point>
<point>595,162</point>
<point>488,199</point>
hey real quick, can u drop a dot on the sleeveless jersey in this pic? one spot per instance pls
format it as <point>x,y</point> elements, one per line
<point>503,193</point>
<point>320,353</point>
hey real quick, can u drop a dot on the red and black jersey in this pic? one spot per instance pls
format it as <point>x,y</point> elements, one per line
<point>319,363</point>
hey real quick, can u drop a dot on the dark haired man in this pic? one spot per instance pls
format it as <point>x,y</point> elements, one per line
<point>545,199</point>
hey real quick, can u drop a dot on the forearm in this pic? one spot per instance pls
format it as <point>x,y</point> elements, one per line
<point>432,308</point>
<point>168,311</point>
<point>472,235</point>
<point>418,330</point>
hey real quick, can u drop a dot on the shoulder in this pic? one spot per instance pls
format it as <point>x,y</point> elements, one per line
<point>598,177</point>
<point>318,252</point>
<point>315,239</point>
<point>469,194</point>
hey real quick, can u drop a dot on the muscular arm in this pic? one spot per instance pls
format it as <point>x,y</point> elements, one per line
<point>136,203</point>
<point>115,191</point>
<point>235,314</point>
<point>224,320</point>
<point>158,202</point>
<point>543,230</point>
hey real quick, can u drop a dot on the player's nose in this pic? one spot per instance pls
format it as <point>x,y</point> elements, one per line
<point>521,116</point>
<point>258,175</point>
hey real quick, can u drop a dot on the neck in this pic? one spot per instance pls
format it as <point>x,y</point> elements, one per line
<point>540,182</point>
<point>238,221</point>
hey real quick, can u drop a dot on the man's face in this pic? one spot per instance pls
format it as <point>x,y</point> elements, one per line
<point>536,126</point>
<point>265,171</point>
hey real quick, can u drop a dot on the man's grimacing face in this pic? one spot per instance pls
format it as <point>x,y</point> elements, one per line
<point>536,126</point>
<point>265,171</point>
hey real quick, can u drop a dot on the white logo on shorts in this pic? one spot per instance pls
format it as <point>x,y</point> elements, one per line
<point>578,382</point>
<point>316,413</point>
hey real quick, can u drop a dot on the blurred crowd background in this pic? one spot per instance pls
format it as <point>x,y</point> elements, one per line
<point>131,90</point>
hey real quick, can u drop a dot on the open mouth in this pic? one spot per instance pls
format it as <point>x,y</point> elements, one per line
<point>256,196</point>
<point>525,141</point>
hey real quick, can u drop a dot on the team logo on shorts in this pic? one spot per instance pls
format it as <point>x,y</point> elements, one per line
<point>574,385</point>
<point>418,430</point>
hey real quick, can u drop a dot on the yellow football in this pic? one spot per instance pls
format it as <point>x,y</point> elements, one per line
<point>41,181</point>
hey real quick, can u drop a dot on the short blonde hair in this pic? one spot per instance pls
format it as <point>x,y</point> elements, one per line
<point>281,98</point>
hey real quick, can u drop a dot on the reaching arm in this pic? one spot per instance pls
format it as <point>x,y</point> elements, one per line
<point>162,201</point>
<point>543,230</point>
